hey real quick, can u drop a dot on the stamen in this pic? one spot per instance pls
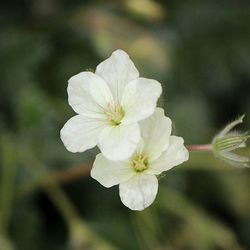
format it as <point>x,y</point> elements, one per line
<point>114,114</point>
<point>140,163</point>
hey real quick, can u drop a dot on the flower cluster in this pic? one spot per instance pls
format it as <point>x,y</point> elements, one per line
<point>116,110</point>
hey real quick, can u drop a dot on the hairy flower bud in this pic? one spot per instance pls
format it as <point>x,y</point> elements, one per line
<point>227,141</point>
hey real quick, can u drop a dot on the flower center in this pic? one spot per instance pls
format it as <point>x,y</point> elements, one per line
<point>140,163</point>
<point>115,114</point>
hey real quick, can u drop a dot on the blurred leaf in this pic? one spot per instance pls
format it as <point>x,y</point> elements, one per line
<point>8,176</point>
<point>146,8</point>
<point>111,31</point>
<point>5,243</point>
<point>201,231</point>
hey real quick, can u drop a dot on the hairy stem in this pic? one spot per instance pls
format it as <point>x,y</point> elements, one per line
<point>203,147</point>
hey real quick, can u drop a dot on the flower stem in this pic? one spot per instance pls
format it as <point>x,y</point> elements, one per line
<point>203,147</point>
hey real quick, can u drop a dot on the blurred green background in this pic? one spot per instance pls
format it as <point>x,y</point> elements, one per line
<point>199,51</point>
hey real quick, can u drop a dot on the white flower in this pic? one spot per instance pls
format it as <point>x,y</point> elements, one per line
<point>109,104</point>
<point>157,151</point>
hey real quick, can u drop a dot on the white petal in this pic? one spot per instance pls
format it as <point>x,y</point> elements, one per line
<point>101,93</point>
<point>110,173</point>
<point>118,70</point>
<point>140,147</point>
<point>87,93</point>
<point>80,133</point>
<point>155,132</point>
<point>118,143</point>
<point>175,154</point>
<point>139,99</point>
<point>139,192</point>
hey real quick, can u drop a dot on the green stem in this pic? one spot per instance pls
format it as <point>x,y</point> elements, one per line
<point>7,183</point>
<point>52,188</point>
<point>61,201</point>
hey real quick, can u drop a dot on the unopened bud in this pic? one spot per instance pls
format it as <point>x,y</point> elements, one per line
<point>227,141</point>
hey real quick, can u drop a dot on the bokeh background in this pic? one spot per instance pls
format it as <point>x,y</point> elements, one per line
<point>199,51</point>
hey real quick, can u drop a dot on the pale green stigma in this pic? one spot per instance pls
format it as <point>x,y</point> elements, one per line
<point>140,163</point>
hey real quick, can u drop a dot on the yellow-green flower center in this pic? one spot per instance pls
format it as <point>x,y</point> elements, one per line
<point>140,163</point>
<point>115,115</point>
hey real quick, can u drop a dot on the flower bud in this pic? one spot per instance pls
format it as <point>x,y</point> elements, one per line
<point>227,141</point>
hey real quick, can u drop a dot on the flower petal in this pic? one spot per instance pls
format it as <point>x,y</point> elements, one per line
<point>81,133</point>
<point>155,132</point>
<point>88,93</point>
<point>139,192</point>
<point>101,93</point>
<point>175,154</point>
<point>139,99</point>
<point>110,173</point>
<point>118,143</point>
<point>118,70</point>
